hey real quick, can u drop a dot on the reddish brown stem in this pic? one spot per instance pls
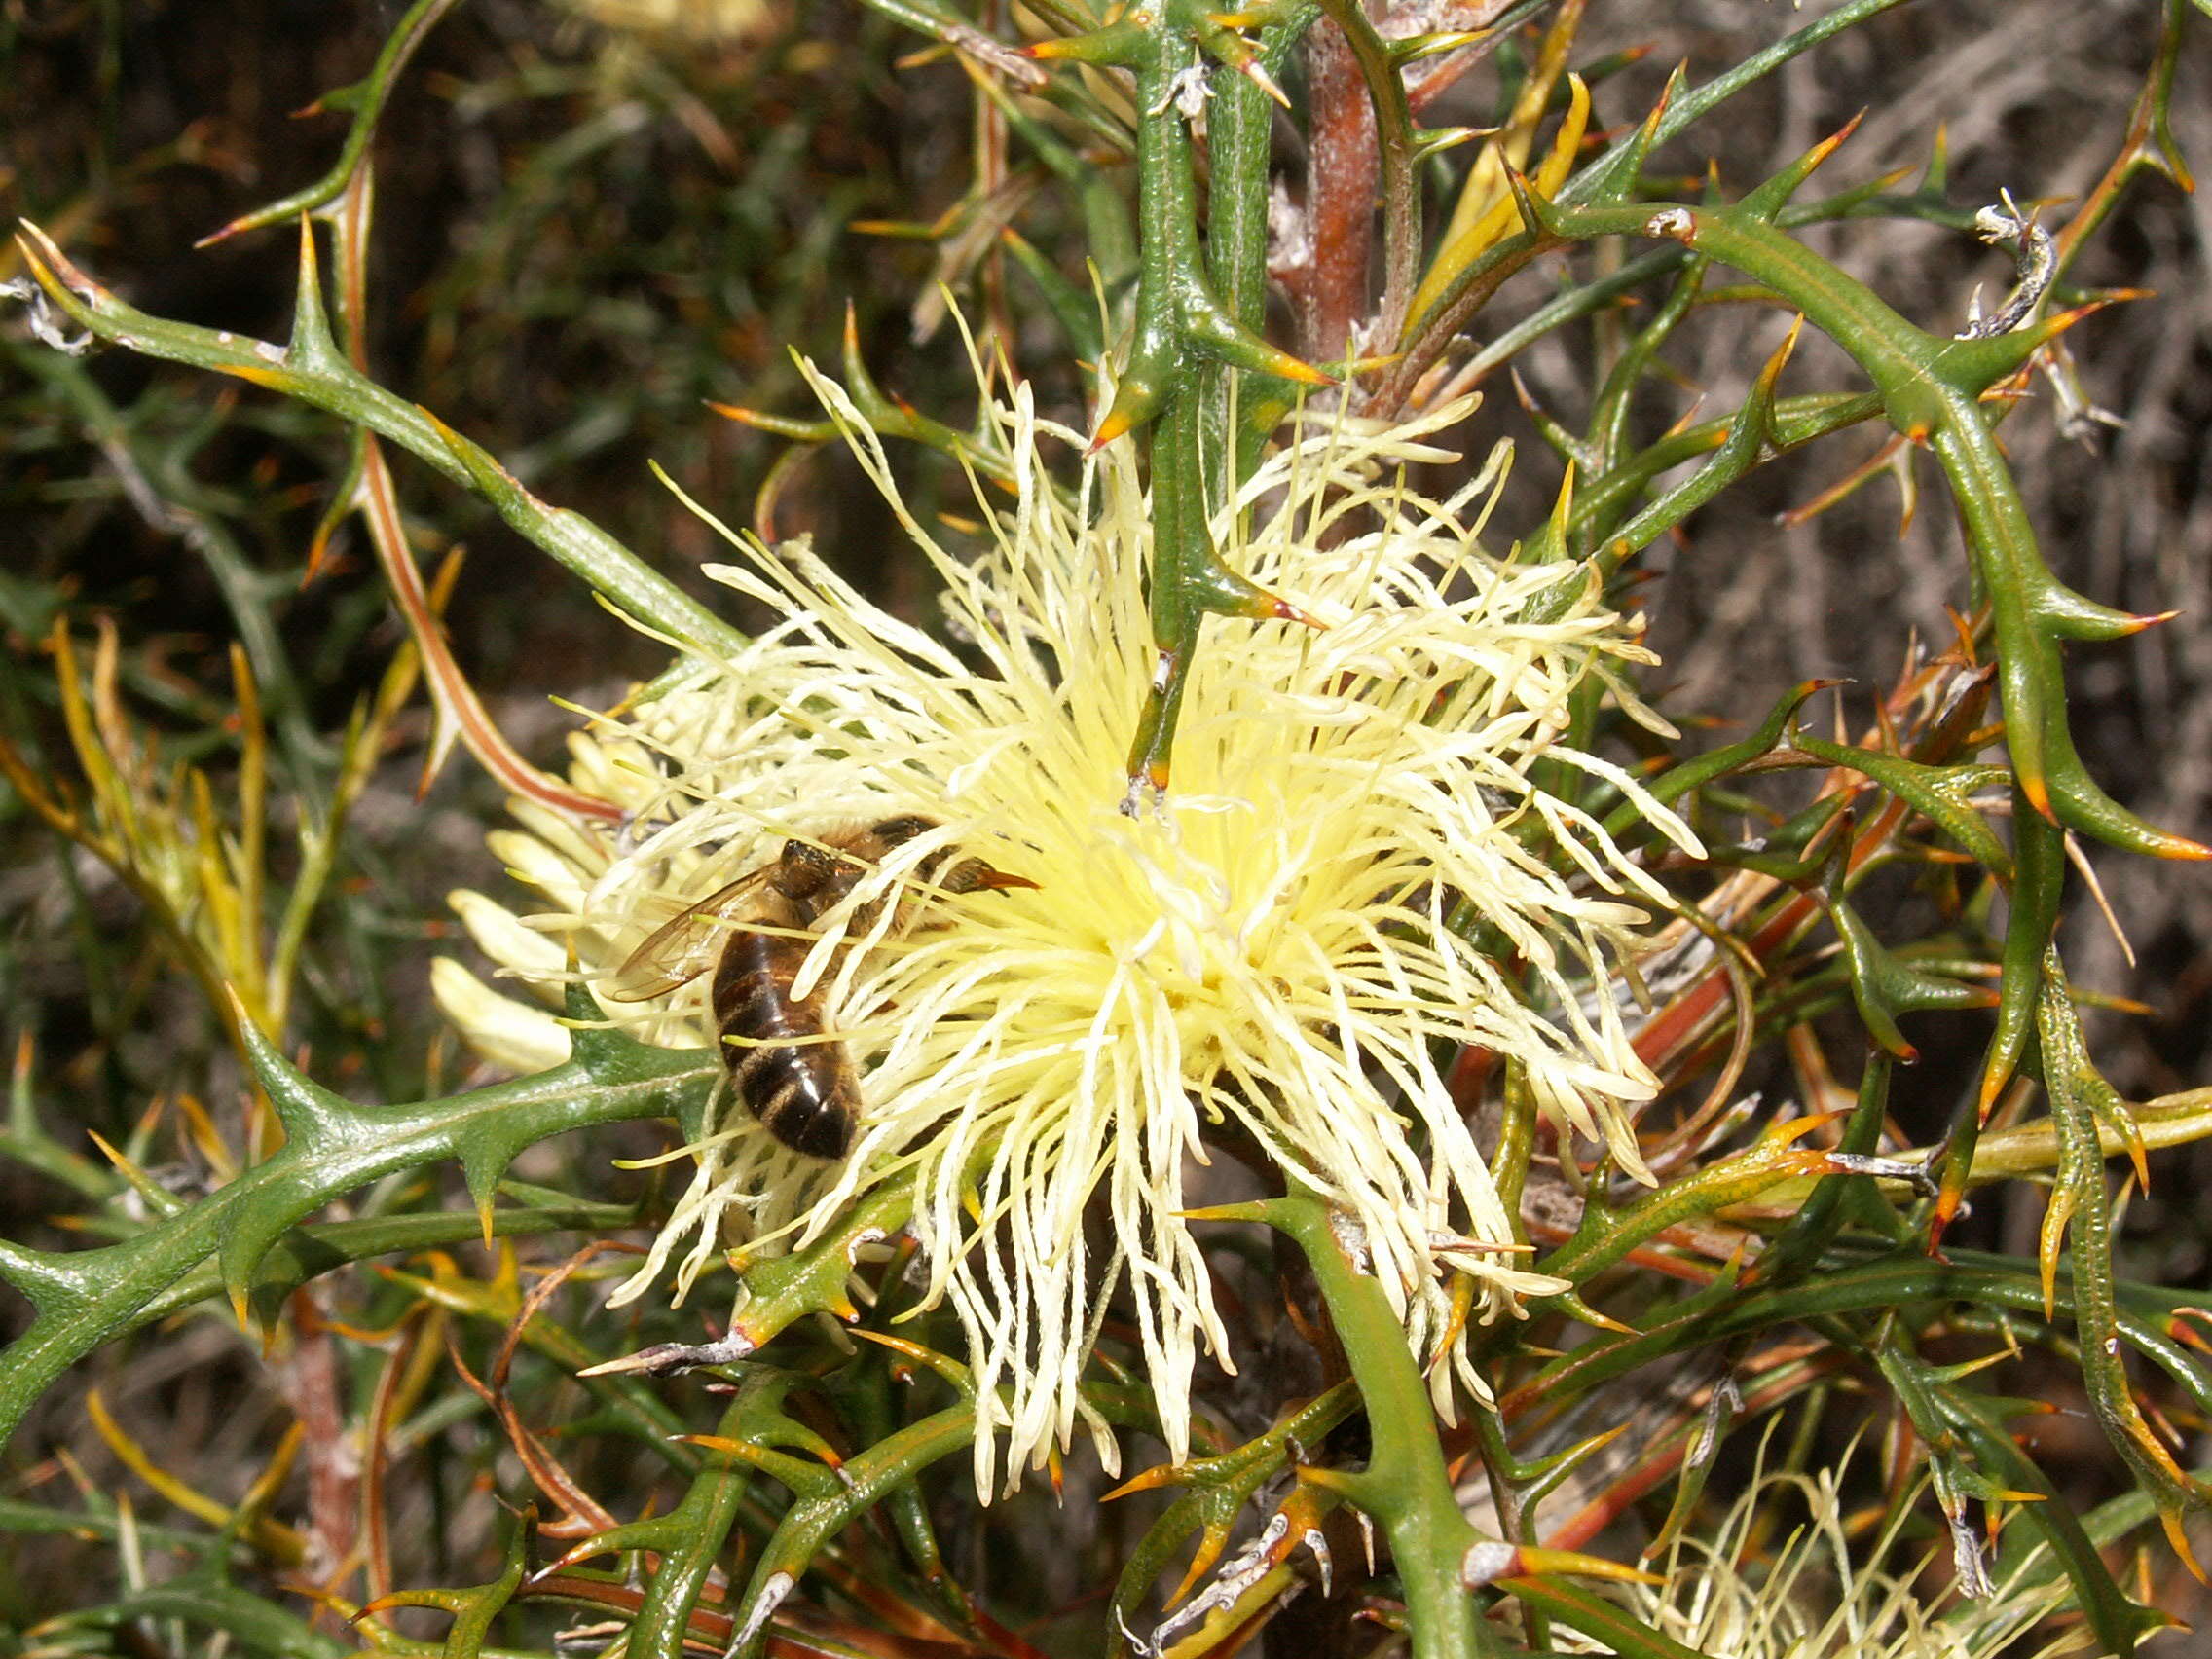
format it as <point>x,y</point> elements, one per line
<point>1342,170</point>
<point>313,1385</point>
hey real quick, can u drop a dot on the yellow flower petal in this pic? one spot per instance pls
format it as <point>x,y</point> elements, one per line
<point>506,1032</point>
<point>506,940</point>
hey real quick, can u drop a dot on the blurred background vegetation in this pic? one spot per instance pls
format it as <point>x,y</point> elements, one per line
<point>595,217</point>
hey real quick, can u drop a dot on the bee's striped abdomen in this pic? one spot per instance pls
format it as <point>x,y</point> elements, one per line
<point>803,1092</point>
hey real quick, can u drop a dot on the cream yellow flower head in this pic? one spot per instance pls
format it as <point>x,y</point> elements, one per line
<point>1277,957</point>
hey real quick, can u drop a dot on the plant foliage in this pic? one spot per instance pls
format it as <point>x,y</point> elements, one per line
<point>248,1169</point>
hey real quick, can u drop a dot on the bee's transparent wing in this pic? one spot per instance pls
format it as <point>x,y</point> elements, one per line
<point>683,948</point>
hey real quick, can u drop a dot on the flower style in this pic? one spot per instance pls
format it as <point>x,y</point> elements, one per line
<point>1276,957</point>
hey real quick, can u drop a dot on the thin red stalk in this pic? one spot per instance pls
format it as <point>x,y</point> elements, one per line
<point>457,698</point>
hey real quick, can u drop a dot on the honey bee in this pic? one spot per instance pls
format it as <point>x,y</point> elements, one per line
<point>799,1081</point>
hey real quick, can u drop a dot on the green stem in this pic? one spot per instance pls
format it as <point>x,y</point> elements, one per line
<point>706,1513</point>
<point>1847,1282</point>
<point>366,98</point>
<point>1615,166</point>
<point>1801,1244</point>
<point>2078,1227</point>
<point>1240,130</point>
<point>1181,550</point>
<point>1406,1486</point>
<point>311,370</point>
<point>1932,389</point>
<point>1182,325</point>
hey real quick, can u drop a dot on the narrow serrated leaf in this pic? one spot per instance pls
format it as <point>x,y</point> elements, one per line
<point>1938,793</point>
<point>1884,985</point>
<point>48,1278</point>
<point>117,1283</point>
<point>320,1121</point>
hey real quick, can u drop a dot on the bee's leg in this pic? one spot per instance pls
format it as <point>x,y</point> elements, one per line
<point>973,876</point>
